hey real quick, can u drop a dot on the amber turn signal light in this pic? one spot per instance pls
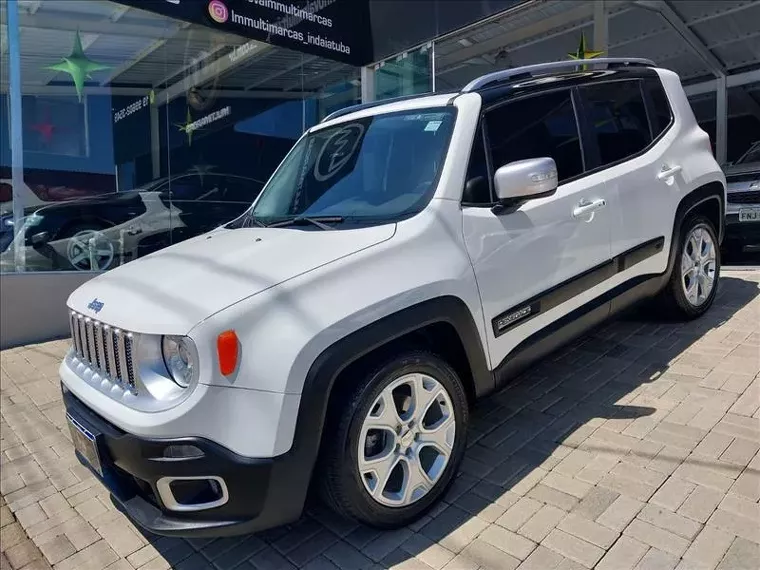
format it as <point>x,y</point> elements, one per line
<point>227,348</point>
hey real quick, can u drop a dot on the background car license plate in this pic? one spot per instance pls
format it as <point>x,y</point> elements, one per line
<point>749,215</point>
<point>84,443</point>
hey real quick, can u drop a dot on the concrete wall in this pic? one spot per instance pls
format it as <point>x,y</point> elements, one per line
<point>33,306</point>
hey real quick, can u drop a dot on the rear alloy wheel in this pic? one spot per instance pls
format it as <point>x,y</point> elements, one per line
<point>694,281</point>
<point>396,442</point>
<point>699,261</point>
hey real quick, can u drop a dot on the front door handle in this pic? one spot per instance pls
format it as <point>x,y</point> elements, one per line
<point>586,207</point>
<point>668,172</point>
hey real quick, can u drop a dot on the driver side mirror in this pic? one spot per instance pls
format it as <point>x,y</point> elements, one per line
<point>523,180</point>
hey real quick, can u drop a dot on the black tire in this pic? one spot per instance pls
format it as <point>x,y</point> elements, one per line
<point>340,481</point>
<point>673,300</point>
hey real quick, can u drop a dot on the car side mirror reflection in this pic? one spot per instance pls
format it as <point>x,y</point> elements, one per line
<point>40,239</point>
<point>523,180</point>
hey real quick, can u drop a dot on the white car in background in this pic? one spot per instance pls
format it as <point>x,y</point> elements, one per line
<point>102,231</point>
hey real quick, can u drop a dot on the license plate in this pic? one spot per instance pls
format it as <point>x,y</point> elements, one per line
<point>749,215</point>
<point>84,443</point>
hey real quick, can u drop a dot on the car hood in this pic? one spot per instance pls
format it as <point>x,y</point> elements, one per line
<point>172,290</point>
<point>28,211</point>
<point>49,208</point>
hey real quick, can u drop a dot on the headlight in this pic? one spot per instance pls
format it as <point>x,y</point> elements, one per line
<point>28,221</point>
<point>179,358</point>
<point>33,220</point>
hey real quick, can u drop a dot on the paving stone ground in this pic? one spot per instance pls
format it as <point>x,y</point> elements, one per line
<point>634,448</point>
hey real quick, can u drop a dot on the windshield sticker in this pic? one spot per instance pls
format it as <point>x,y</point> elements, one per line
<point>433,125</point>
<point>337,151</point>
<point>425,117</point>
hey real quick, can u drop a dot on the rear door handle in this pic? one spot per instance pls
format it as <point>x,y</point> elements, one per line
<point>668,172</point>
<point>586,207</point>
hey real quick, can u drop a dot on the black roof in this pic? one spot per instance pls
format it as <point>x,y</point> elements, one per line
<point>499,92</point>
<point>502,84</point>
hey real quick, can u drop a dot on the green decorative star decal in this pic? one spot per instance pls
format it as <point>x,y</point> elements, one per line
<point>187,127</point>
<point>78,66</point>
<point>583,52</point>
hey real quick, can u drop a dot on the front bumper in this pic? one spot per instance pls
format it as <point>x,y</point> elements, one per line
<point>262,493</point>
<point>744,235</point>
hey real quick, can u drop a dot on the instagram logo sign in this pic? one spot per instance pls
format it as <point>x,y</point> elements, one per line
<point>218,11</point>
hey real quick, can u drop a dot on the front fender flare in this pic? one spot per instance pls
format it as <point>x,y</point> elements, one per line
<point>326,368</point>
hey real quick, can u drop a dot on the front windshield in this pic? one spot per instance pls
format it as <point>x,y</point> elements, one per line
<point>375,168</point>
<point>752,155</point>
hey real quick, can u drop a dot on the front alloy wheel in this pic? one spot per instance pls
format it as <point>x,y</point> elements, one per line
<point>406,440</point>
<point>395,441</point>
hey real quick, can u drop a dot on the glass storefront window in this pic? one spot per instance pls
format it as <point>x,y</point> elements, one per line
<point>704,107</point>
<point>744,125</point>
<point>141,130</point>
<point>409,73</point>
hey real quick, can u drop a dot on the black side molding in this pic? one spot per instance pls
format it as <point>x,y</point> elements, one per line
<point>614,301</point>
<point>574,324</point>
<point>574,286</point>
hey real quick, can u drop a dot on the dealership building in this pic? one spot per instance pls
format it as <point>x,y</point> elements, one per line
<point>170,115</point>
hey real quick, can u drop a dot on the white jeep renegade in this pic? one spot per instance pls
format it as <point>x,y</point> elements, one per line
<point>406,258</point>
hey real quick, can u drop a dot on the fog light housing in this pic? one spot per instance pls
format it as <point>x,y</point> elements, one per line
<point>182,452</point>
<point>192,493</point>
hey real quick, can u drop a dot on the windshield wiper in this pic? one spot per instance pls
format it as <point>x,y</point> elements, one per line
<point>319,221</point>
<point>250,219</point>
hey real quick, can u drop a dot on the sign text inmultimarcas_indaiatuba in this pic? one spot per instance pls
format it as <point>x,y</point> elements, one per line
<point>334,29</point>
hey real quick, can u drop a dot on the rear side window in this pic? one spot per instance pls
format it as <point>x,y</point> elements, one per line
<point>618,119</point>
<point>535,127</point>
<point>661,113</point>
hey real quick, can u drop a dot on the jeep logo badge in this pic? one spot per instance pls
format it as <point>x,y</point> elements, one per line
<point>95,305</point>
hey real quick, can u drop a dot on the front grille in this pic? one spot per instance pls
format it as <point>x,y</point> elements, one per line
<point>749,197</point>
<point>103,347</point>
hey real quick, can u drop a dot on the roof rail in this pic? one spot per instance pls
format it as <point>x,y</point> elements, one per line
<point>369,105</point>
<point>530,70</point>
<point>486,80</point>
